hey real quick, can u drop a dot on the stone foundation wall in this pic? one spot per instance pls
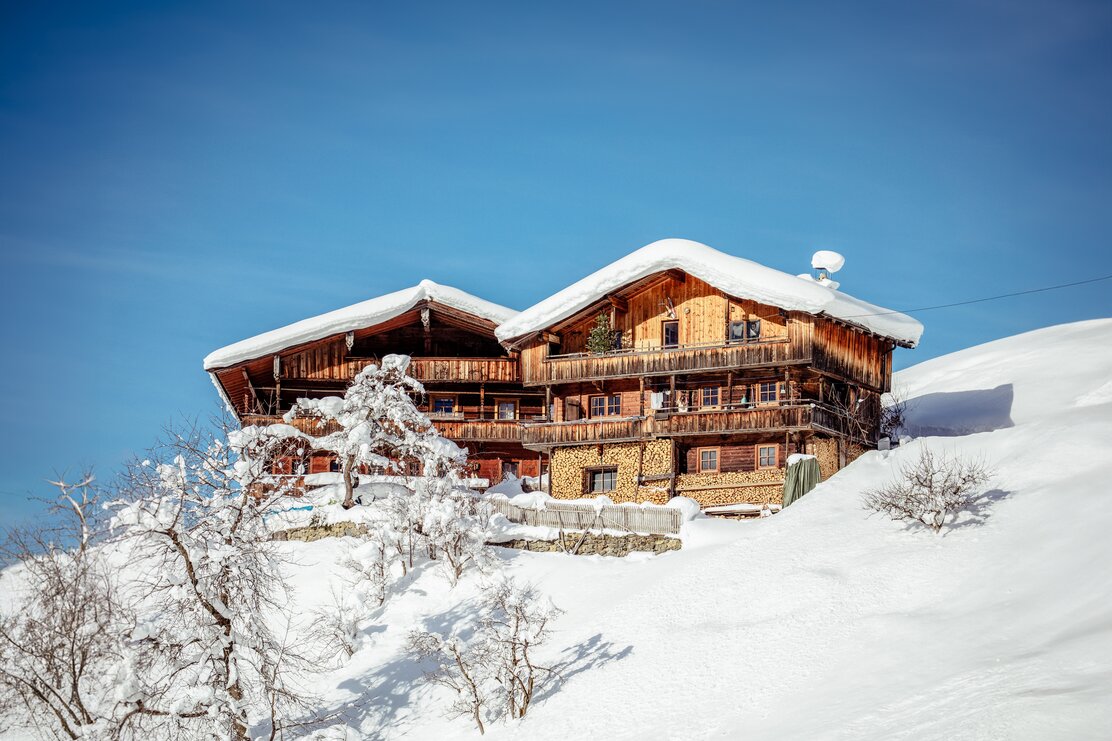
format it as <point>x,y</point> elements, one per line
<point>773,493</point>
<point>567,467</point>
<point>316,532</point>
<point>599,544</point>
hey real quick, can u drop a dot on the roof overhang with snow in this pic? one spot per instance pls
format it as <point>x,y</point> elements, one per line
<point>358,316</point>
<point>734,276</point>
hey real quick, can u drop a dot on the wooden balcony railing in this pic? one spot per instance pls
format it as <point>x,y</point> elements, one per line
<point>465,370</point>
<point>480,430</point>
<point>304,424</point>
<point>727,421</point>
<point>663,361</point>
<point>673,423</point>
<point>584,432</point>
<point>449,370</point>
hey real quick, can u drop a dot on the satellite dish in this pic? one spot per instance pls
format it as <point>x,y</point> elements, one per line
<point>827,260</point>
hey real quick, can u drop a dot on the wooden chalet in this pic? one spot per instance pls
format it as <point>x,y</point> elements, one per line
<point>712,371</point>
<point>474,394</point>
<point>717,370</point>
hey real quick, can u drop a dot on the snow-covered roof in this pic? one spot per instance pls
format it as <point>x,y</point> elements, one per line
<point>357,316</point>
<point>732,275</point>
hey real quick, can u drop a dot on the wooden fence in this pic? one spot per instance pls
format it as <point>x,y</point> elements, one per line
<point>574,516</point>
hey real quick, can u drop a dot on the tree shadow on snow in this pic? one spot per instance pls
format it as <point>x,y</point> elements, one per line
<point>591,654</point>
<point>973,516</point>
<point>957,413</point>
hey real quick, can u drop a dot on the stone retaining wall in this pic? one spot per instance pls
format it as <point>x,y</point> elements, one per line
<point>598,544</point>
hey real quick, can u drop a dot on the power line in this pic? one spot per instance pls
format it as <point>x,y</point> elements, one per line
<point>989,298</point>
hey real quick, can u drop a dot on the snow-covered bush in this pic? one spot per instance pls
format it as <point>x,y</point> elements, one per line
<point>494,673</point>
<point>203,659</point>
<point>61,632</point>
<point>932,490</point>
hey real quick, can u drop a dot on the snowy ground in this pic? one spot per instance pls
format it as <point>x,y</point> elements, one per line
<point>821,622</point>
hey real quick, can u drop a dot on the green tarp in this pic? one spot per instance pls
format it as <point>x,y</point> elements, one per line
<point>801,477</point>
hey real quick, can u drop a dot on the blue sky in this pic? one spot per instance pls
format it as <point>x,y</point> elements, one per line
<point>179,177</point>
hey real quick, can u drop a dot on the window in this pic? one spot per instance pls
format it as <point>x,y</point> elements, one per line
<point>768,393</point>
<point>670,330</point>
<point>745,331</point>
<point>617,343</point>
<point>509,469</point>
<point>708,460</point>
<point>606,406</point>
<point>601,480</point>
<point>710,396</point>
<point>766,456</point>
<point>443,405</point>
<point>506,409</point>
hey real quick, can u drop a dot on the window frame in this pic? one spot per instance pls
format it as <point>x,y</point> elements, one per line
<point>498,401</point>
<point>760,392</point>
<point>608,404</point>
<point>433,398</point>
<point>703,404</point>
<point>717,459</point>
<point>747,326</point>
<point>589,473</point>
<point>775,456</point>
<point>664,333</point>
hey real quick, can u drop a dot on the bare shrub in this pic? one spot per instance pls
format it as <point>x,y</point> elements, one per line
<point>932,490</point>
<point>63,635</point>
<point>463,668</point>
<point>495,672</point>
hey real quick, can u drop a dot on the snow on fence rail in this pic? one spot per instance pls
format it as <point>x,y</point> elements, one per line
<point>571,516</point>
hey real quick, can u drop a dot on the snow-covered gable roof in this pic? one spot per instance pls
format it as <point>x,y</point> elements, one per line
<point>732,275</point>
<point>357,316</point>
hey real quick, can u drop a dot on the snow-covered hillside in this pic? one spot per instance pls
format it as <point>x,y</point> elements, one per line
<point>822,622</point>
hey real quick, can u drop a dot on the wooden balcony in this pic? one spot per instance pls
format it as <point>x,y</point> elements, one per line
<point>666,361</point>
<point>304,424</point>
<point>480,430</point>
<point>733,421</point>
<point>671,423</point>
<point>584,432</point>
<point>444,370</point>
<point>453,427</point>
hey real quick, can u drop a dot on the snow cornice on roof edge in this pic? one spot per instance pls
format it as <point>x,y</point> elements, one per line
<point>734,276</point>
<point>357,316</point>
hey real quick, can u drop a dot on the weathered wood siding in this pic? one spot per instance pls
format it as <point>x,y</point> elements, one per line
<point>703,313</point>
<point>856,356</point>
<point>329,362</point>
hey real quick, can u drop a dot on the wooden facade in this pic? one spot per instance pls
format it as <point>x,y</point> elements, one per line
<point>475,400</point>
<point>704,370</point>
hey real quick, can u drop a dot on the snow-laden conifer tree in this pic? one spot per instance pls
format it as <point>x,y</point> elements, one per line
<point>376,425</point>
